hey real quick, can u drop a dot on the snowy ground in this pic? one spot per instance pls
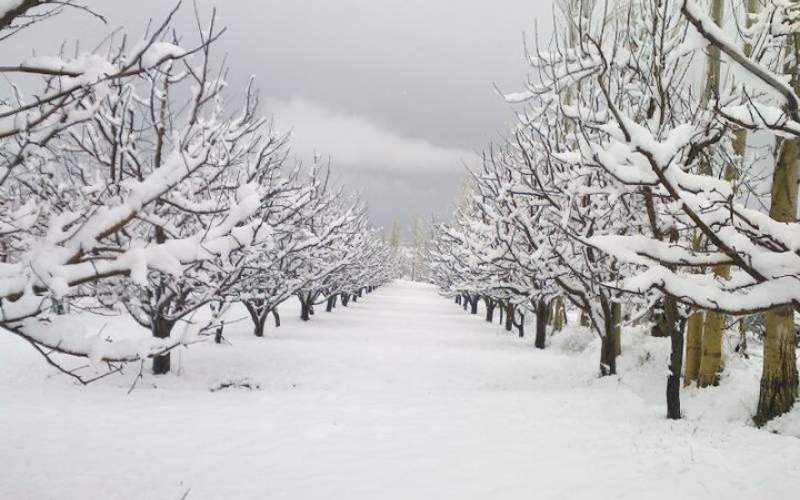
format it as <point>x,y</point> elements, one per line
<point>402,396</point>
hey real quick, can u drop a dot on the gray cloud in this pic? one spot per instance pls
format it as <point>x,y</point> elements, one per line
<point>409,80</point>
<point>359,143</point>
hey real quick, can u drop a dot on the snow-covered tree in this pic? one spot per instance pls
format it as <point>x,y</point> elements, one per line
<point>627,174</point>
<point>66,224</point>
<point>131,180</point>
<point>651,130</point>
<point>177,118</point>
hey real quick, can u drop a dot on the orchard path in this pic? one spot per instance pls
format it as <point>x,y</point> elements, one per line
<point>401,396</point>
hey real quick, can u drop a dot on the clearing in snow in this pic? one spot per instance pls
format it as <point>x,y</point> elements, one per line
<point>400,396</point>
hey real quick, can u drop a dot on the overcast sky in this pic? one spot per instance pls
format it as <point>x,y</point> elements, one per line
<point>397,92</point>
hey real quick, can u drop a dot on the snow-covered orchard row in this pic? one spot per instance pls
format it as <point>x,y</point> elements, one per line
<point>131,182</point>
<point>402,396</point>
<point>637,190</point>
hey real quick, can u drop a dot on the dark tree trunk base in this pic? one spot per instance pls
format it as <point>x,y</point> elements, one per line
<point>258,328</point>
<point>509,317</point>
<point>775,398</point>
<point>541,324</point>
<point>331,303</point>
<point>161,330</point>
<point>276,317</point>
<point>608,356</point>
<point>161,364</point>
<point>673,397</point>
<point>675,329</point>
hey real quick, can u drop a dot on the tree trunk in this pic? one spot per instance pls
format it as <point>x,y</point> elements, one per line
<point>694,340</point>
<point>277,317</point>
<point>305,311</point>
<point>541,324</point>
<point>509,317</point>
<point>558,316</point>
<point>608,351</point>
<point>608,360</point>
<point>260,325</point>
<point>502,308</point>
<point>489,310</point>
<point>330,303</point>
<point>711,338</point>
<point>741,347</point>
<point>675,359</point>
<point>161,329</point>
<point>520,325</point>
<point>465,303</point>
<point>585,320</point>
<point>345,299</point>
<point>660,328</point>
<point>161,364</point>
<point>616,309</point>
<point>711,352</point>
<point>779,374</point>
<point>257,316</point>
<point>473,306</point>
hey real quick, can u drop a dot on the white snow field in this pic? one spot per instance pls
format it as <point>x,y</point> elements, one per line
<point>401,396</point>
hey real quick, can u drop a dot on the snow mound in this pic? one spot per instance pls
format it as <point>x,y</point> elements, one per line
<point>573,339</point>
